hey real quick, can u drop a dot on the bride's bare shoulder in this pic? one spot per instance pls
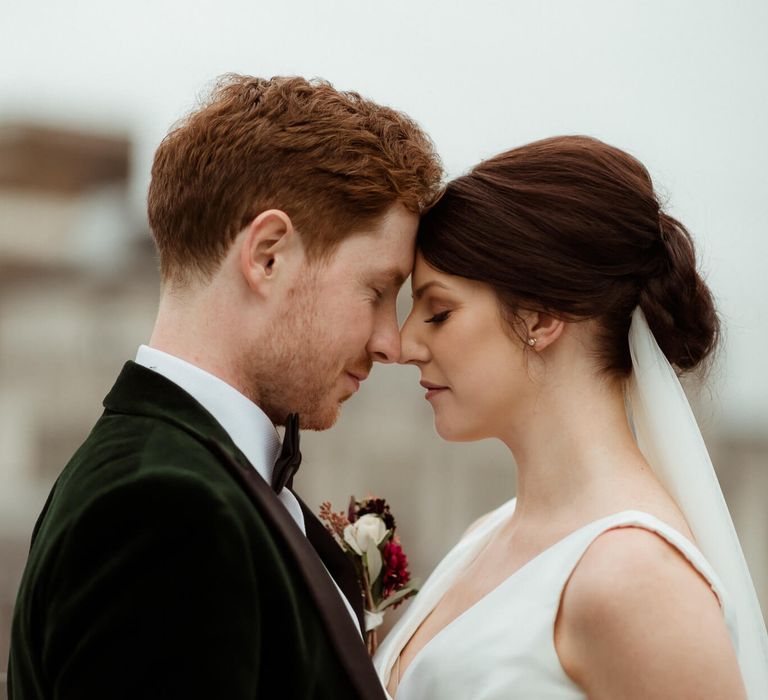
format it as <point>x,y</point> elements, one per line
<point>634,613</point>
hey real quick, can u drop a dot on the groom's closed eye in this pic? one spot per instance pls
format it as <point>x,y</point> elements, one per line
<point>379,292</point>
<point>387,282</point>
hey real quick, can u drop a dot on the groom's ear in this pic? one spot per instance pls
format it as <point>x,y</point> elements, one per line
<point>269,245</point>
<point>544,328</point>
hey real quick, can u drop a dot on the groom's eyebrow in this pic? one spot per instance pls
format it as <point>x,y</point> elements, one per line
<point>393,277</point>
<point>424,287</point>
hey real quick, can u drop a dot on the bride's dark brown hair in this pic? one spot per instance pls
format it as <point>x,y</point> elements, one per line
<point>572,226</point>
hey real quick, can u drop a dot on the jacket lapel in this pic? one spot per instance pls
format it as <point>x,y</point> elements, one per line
<point>335,561</point>
<point>344,637</point>
<point>141,391</point>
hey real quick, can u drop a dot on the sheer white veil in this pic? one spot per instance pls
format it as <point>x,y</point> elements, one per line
<point>669,437</point>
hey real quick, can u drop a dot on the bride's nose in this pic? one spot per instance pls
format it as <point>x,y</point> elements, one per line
<point>413,350</point>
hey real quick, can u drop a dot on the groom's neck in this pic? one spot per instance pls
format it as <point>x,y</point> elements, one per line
<point>199,327</point>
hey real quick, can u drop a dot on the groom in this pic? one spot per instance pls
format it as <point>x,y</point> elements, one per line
<point>171,559</point>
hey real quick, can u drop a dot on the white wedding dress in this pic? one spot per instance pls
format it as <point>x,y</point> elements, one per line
<point>503,647</point>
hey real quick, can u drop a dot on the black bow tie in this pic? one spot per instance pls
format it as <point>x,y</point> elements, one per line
<point>287,464</point>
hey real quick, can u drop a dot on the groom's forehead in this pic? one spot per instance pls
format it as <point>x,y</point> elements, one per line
<point>381,253</point>
<point>386,262</point>
<point>389,264</point>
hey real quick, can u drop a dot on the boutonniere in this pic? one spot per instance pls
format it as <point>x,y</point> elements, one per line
<point>366,534</point>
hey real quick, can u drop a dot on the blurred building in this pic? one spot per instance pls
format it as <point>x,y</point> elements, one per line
<point>77,292</point>
<point>78,289</point>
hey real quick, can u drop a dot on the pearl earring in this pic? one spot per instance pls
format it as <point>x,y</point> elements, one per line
<point>531,341</point>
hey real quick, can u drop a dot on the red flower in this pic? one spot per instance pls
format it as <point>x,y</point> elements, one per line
<point>396,574</point>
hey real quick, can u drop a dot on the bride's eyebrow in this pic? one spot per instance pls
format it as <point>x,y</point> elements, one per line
<point>424,287</point>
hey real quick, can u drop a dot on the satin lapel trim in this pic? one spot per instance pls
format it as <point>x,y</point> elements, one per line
<point>343,635</point>
<point>335,560</point>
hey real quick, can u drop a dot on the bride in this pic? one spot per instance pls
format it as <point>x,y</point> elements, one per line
<point>551,293</point>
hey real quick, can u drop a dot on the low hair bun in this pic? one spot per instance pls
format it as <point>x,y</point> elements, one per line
<point>570,225</point>
<point>677,303</point>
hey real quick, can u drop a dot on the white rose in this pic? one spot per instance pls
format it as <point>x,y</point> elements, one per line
<point>364,537</point>
<point>367,530</point>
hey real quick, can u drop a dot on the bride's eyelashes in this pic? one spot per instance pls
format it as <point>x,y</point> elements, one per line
<point>438,318</point>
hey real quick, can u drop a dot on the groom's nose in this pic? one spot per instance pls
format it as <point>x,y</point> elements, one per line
<point>384,343</point>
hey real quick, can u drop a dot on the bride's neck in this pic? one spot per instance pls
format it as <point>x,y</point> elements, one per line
<point>574,447</point>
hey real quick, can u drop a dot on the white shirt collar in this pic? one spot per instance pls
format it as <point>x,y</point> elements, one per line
<point>248,426</point>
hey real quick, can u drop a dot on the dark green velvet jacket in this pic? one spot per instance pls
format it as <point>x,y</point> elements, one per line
<point>164,566</point>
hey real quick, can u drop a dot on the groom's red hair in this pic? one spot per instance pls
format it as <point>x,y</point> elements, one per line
<point>333,161</point>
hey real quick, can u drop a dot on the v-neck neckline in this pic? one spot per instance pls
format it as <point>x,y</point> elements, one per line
<point>472,556</point>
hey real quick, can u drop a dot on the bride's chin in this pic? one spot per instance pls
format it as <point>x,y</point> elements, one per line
<point>457,432</point>
<point>453,424</point>
<point>450,433</point>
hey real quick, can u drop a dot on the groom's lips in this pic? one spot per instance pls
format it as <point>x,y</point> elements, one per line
<point>357,378</point>
<point>432,389</point>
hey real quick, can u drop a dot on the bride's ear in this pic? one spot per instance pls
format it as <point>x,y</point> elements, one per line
<point>543,329</point>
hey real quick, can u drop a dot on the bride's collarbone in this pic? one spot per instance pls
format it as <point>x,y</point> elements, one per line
<point>503,556</point>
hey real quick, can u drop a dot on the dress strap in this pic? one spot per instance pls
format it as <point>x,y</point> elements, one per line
<point>694,556</point>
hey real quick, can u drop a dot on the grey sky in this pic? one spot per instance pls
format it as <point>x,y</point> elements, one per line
<point>681,84</point>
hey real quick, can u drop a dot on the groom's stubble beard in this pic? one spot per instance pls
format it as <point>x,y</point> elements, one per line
<point>296,369</point>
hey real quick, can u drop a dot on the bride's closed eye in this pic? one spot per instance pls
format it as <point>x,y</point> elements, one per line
<point>438,318</point>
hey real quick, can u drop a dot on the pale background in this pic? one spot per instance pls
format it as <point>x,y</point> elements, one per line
<point>87,90</point>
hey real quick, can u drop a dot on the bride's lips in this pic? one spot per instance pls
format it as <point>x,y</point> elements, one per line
<point>432,389</point>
